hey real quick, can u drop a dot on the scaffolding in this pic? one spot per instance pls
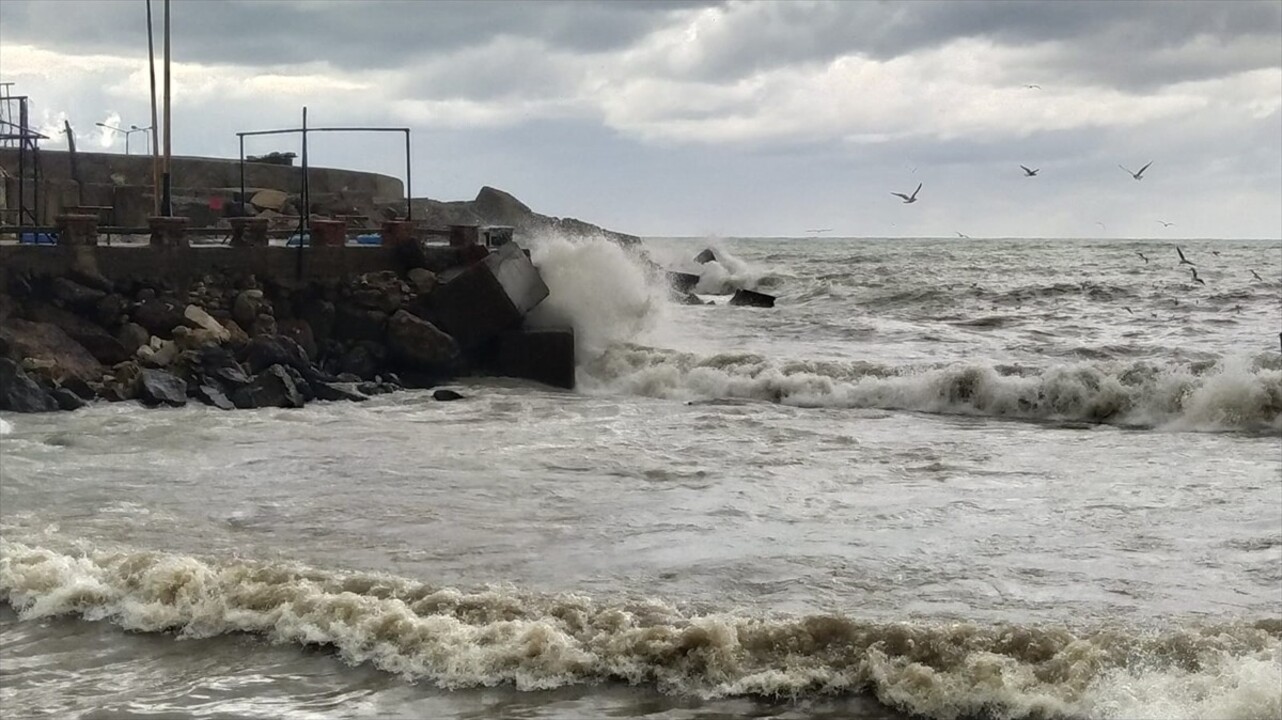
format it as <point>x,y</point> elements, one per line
<point>16,133</point>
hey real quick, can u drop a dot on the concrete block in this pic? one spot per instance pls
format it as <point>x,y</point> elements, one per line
<point>480,301</point>
<point>329,233</point>
<point>752,298</point>
<point>168,231</point>
<point>78,230</point>
<point>541,355</point>
<point>248,231</point>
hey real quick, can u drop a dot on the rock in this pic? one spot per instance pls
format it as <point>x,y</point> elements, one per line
<point>418,344</point>
<point>338,391</point>
<point>73,295</point>
<point>300,332</point>
<point>238,337</point>
<point>381,291</point>
<point>486,298</point>
<point>211,394</point>
<point>304,388</point>
<point>188,339</point>
<point>687,299</point>
<point>158,353</point>
<point>247,306</point>
<point>369,387</point>
<point>269,200</point>
<point>157,387</point>
<point>352,323</point>
<point>445,395</point>
<point>66,399</point>
<point>133,336</point>
<point>271,388</point>
<point>110,310</point>
<point>104,348</point>
<point>82,389</point>
<point>264,325</point>
<point>159,316</point>
<point>19,393</point>
<point>423,280</point>
<point>145,295</point>
<point>123,382</point>
<point>198,319</point>
<point>91,279</point>
<point>268,350</point>
<point>319,316</point>
<point>360,361</point>
<point>500,208</point>
<point>217,363</point>
<point>706,256</point>
<point>46,342</point>
<point>752,298</point>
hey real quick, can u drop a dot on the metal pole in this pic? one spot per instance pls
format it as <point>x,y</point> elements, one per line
<point>304,213</point>
<point>409,186</point>
<point>243,199</point>
<point>155,146</point>
<point>167,207</point>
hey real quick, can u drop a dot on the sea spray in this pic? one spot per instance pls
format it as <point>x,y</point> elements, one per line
<point>599,288</point>
<point>456,638</point>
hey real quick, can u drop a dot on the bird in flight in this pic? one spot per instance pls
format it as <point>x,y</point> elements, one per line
<point>1137,252</point>
<point>964,235</point>
<point>1164,223</point>
<point>1028,172</point>
<point>1102,226</point>
<point>1138,175</point>
<point>1129,310</point>
<point>1033,86</point>
<point>820,230</point>
<point>1257,276</point>
<point>1183,260</point>
<point>909,198</point>
<point>1195,277</point>
<point>1216,253</point>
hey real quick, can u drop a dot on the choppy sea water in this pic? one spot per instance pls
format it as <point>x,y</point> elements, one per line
<point>1012,479</point>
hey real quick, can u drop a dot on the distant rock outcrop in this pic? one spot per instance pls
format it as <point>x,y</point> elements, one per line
<point>496,207</point>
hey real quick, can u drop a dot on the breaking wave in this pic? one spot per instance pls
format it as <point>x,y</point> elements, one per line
<point>5,427</point>
<point>456,639</point>
<point>1224,396</point>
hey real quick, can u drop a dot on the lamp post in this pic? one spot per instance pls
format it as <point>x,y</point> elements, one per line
<point>132,129</point>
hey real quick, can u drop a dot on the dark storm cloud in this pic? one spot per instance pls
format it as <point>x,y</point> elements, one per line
<point>350,34</point>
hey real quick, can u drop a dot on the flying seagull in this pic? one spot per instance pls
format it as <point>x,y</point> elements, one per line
<point>820,230</point>
<point>1102,226</point>
<point>1138,175</point>
<point>1164,223</point>
<point>1257,276</point>
<point>1183,260</point>
<point>1030,173</point>
<point>964,235</point>
<point>1129,310</point>
<point>1033,86</point>
<point>1195,277</point>
<point>1216,253</point>
<point>909,198</point>
<point>1137,252</point>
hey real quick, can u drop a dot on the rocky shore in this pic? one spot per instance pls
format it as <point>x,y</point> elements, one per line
<point>241,341</point>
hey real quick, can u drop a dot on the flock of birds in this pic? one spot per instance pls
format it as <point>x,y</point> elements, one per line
<point>1032,172</point>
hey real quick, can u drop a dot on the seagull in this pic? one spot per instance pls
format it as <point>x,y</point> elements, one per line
<point>1164,223</point>
<point>1257,276</point>
<point>1138,175</point>
<point>1216,253</point>
<point>1102,225</point>
<point>1030,173</point>
<point>820,230</point>
<point>964,235</point>
<point>1137,252</point>
<point>909,198</point>
<point>1033,86</point>
<point>1129,310</point>
<point>1195,277</point>
<point>1183,260</point>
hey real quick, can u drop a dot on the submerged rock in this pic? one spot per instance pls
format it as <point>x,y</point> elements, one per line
<point>446,395</point>
<point>752,298</point>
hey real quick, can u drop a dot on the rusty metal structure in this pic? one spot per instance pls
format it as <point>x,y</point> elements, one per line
<point>16,132</point>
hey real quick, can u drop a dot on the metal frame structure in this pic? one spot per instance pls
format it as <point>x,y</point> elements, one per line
<point>305,188</point>
<point>27,141</point>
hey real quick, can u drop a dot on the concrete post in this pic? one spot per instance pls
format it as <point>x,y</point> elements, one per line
<point>168,231</point>
<point>397,232</point>
<point>329,233</point>
<point>248,231</point>
<point>77,229</point>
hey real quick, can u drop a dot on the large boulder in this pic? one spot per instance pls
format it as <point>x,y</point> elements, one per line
<point>218,364</point>
<point>418,344</point>
<point>352,323</point>
<point>383,291</point>
<point>73,295</point>
<point>105,348</point>
<point>19,393</point>
<point>157,387</point>
<point>133,336</point>
<point>362,360</point>
<point>47,343</point>
<point>159,316</point>
<point>198,319</point>
<point>271,388</point>
<point>319,316</point>
<point>268,350</point>
<point>300,332</point>
<point>248,305</point>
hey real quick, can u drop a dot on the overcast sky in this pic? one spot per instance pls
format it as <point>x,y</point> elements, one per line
<point>721,118</point>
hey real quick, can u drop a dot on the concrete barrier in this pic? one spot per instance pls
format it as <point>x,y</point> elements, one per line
<point>478,302</point>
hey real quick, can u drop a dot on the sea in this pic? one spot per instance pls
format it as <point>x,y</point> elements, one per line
<point>940,478</point>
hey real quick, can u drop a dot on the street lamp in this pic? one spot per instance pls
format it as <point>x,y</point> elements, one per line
<point>132,129</point>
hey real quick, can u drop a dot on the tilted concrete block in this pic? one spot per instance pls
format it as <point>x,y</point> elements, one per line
<point>477,302</point>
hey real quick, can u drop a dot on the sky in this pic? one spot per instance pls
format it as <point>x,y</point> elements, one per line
<point>730,118</point>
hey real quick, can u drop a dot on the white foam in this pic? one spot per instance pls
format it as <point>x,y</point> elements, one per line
<point>597,287</point>
<point>1231,396</point>
<point>5,427</point>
